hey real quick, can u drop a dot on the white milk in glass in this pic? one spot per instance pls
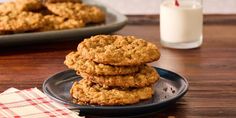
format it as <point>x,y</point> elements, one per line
<point>181,24</point>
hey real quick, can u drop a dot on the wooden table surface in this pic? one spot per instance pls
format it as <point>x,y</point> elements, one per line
<point>211,69</point>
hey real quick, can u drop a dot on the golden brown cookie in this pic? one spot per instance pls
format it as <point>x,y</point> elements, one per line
<point>19,6</point>
<point>56,1</point>
<point>21,22</point>
<point>7,7</point>
<point>87,13</point>
<point>145,77</point>
<point>76,62</point>
<point>59,23</point>
<point>86,92</point>
<point>118,50</point>
<point>28,5</point>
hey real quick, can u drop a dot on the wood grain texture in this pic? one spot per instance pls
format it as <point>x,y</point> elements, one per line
<point>208,19</point>
<point>211,69</point>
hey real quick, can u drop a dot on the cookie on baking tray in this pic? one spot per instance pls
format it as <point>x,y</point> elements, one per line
<point>59,23</point>
<point>57,15</point>
<point>118,50</point>
<point>76,62</point>
<point>20,21</point>
<point>19,6</point>
<point>56,1</point>
<point>87,13</point>
<point>86,92</point>
<point>7,7</point>
<point>147,76</point>
<point>28,5</point>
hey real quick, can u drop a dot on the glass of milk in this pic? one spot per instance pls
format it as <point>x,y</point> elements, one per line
<point>181,23</point>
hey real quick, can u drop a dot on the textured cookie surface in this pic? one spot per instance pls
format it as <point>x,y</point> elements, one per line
<point>87,13</point>
<point>76,62</point>
<point>59,23</point>
<point>21,22</point>
<point>56,1</point>
<point>19,6</point>
<point>28,5</point>
<point>86,92</point>
<point>145,77</point>
<point>7,7</point>
<point>118,50</point>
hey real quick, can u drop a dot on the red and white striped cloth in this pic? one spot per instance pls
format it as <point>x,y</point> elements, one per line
<point>31,103</point>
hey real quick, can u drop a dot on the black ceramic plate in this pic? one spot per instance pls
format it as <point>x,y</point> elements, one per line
<point>114,22</point>
<point>168,89</point>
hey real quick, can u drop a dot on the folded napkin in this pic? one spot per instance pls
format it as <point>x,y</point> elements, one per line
<point>31,103</point>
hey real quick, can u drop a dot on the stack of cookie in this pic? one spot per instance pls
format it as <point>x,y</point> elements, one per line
<point>113,69</point>
<point>20,16</point>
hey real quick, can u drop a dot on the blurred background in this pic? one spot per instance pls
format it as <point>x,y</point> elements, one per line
<point>136,7</point>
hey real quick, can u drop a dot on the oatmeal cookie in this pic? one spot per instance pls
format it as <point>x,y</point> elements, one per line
<point>56,1</point>
<point>28,5</point>
<point>87,13</point>
<point>145,77</point>
<point>59,23</point>
<point>87,92</point>
<point>7,7</point>
<point>76,62</point>
<point>118,50</point>
<point>19,6</point>
<point>21,22</point>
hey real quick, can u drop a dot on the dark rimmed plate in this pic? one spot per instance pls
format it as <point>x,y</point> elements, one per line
<point>114,22</point>
<point>168,89</point>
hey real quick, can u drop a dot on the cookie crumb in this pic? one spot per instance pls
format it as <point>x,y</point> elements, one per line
<point>165,89</point>
<point>173,91</point>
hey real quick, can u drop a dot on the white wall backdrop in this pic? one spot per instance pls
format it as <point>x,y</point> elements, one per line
<point>152,6</point>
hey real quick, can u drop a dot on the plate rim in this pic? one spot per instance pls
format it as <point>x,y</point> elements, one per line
<point>84,107</point>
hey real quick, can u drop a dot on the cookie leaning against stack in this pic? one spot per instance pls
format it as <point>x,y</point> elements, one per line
<point>113,69</point>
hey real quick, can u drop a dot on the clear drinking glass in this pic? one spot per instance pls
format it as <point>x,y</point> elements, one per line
<point>181,23</point>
